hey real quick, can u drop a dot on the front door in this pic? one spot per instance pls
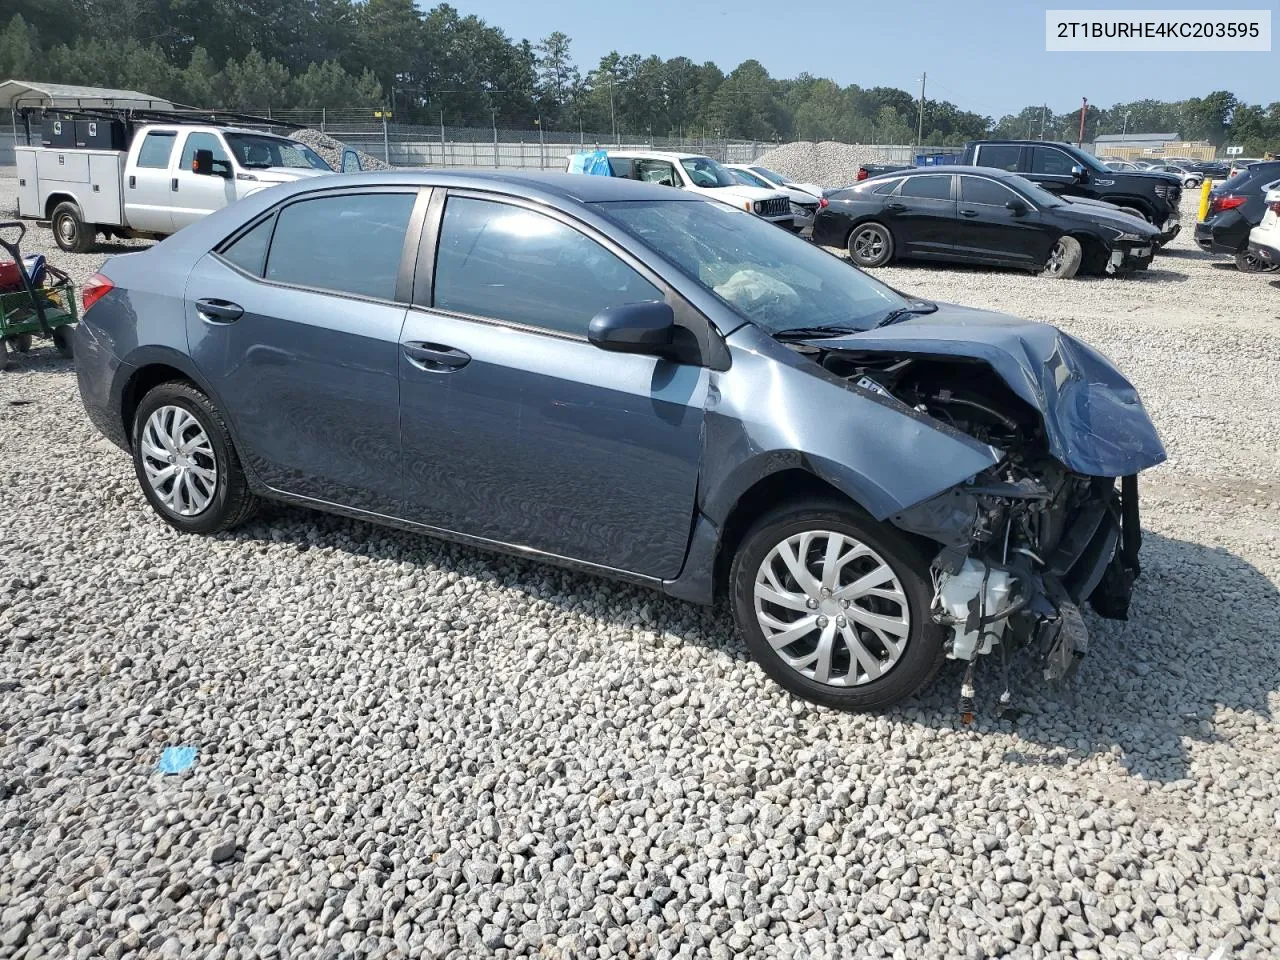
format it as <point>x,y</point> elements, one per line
<point>300,341</point>
<point>515,428</point>
<point>199,195</point>
<point>1051,168</point>
<point>988,229</point>
<point>922,215</point>
<point>148,187</point>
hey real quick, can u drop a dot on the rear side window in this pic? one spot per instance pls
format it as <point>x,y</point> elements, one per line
<point>980,190</point>
<point>507,263</point>
<point>156,149</point>
<point>249,250</point>
<point>888,186</point>
<point>1000,156</point>
<point>350,243</point>
<point>932,187</point>
<point>621,167</point>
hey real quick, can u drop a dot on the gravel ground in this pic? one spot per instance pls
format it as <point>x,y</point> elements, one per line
<point>407,748</point>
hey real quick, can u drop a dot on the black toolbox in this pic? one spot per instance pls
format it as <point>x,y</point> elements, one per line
<point>100,134</point>
<point>57,131</point>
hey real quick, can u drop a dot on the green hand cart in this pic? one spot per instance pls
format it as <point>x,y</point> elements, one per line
<point>47,310</point>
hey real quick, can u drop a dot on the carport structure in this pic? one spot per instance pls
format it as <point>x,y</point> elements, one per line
<point>28,96</point>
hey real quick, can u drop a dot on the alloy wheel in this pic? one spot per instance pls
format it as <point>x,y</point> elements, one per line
<point>831,608</point>
<point>868,245</point>
<point>178,460</point>
<point>1054,264</point>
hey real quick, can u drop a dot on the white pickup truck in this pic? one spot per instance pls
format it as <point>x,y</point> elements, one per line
<point>170,176</point>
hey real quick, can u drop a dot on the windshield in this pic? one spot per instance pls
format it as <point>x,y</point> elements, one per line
<point>750,178</point>
<point>773,175</point>
<point>1033,191</point>
<point>705,172</point>
<point>255,151</point>
<point>766,275</point>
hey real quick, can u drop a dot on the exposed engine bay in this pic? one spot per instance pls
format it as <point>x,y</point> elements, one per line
<point>1023,544</point>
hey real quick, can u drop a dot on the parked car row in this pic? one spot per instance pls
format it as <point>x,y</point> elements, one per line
<point>1236,207</point>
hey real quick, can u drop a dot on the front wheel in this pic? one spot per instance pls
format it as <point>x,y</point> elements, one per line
<point>70,231</point>
<point>1247,262</point>
<point>870,245</point>
<point>835,607</point>
<point>1064,260</point>
<point>185,462</point>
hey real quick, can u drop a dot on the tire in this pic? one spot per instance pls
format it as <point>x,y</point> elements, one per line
<point>1064,260</point>
<point>848,686</point>
<point>70,232</point>
<point>62,341</point>
<point>4,355</point>
<point>227,500</point>
<point>1248,263</point>
<point>870,245</point>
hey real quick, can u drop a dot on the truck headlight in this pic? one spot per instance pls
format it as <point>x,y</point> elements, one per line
<point>753,207</point>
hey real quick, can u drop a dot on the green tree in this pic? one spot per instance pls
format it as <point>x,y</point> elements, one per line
<point>19,49</point>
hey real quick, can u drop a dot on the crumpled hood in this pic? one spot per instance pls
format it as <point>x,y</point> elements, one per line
<point>1095,211</point>
<point>1093,419</point>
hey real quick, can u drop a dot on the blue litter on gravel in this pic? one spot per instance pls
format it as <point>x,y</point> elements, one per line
<point>176,759</point>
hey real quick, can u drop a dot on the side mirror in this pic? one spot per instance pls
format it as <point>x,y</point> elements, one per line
<point>1016,207</point>
<point>1079,174</point>
<point>202,163</point>
<point>647,327</point>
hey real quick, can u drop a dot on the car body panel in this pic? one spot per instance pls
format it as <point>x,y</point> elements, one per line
<point>1093,419</point>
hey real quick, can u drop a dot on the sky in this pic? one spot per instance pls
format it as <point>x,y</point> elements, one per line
<point>988,57</point>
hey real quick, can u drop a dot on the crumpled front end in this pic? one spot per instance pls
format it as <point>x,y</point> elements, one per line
<point>1052,525</point>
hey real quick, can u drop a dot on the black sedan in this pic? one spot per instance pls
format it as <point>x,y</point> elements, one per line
<point>980,215</point>
<point>1235,208</point>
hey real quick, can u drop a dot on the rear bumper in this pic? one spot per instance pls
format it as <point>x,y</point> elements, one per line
<point>1263,251</point>
<point>98,372</point>
<point>1226,232</point>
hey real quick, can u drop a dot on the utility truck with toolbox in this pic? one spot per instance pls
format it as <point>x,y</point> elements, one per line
<point>149,175</point>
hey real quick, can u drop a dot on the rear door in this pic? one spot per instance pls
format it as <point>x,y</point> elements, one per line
<point>296,322</point>
<point>516,429</point>
<point>198,195</point>
<point>988,230</point>
<point>148,187</point>
<point>921,213</point>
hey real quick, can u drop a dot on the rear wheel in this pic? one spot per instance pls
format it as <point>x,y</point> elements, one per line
<point>1064,260</point>
<point>22,342</point>
<point>70,231</point>
<point>870,245</point>
<point>185,462</point>
<point>835,607</point>
<point>62,340</point>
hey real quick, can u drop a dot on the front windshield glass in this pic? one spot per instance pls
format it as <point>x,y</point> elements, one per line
<point>255,151</point>
<point>705,172</point>
<point>750,179</point>
<point>766,275</point>
<point>773,175</point>
<point>1034,192</point>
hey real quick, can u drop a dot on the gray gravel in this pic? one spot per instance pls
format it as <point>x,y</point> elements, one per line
<point>330,150</point>
<point>413,749</point>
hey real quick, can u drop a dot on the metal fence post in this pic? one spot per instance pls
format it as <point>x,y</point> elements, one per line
<point>322,117</point>
<point>442,156</point>
<point>495,138</point>
<point>386,140</point>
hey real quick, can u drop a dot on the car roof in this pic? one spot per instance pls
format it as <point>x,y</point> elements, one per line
<point>945,168</point>
<point>655,154</point>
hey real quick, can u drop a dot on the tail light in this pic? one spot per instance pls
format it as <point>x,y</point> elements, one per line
<point>1228,201</point>
<point>93,291</point>
<point>823,202</point>
<point>1274,205</point>
<point>862,174</point>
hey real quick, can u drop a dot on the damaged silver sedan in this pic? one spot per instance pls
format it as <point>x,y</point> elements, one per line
<point>633,381</point>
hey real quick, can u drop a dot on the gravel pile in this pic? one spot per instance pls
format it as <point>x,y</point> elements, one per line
<point>330,150</point>
<point>828,163</point>
<point>412,749</point>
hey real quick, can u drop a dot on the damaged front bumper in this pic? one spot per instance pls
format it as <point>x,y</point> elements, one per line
<point>1127,257</point>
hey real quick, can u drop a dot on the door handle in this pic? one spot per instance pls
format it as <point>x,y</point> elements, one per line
<point>895,206</point>
<point>219,311</point>
<point>968,213</point>
<point>173,184</point>
<point>133,182</point>
<point>435,356</point>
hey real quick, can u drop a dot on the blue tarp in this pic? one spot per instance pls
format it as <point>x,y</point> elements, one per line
<point>594,162</point>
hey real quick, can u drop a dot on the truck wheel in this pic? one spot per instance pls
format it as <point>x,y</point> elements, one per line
<point>1064,259</point>
<point>70,231</point>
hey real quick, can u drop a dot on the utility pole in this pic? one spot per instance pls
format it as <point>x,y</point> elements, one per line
<point>920,121</point>
<point>1124,130</point>
<point>1084,109</point>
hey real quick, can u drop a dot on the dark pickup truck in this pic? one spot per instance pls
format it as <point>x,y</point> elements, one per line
<point>1068,170</point>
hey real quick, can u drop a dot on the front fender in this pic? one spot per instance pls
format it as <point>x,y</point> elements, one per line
<point>880,453</point>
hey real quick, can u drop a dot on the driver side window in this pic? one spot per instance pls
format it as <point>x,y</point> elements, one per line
<point>205,141</point>
<point>657,171</point>
<point>1051,162</point>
